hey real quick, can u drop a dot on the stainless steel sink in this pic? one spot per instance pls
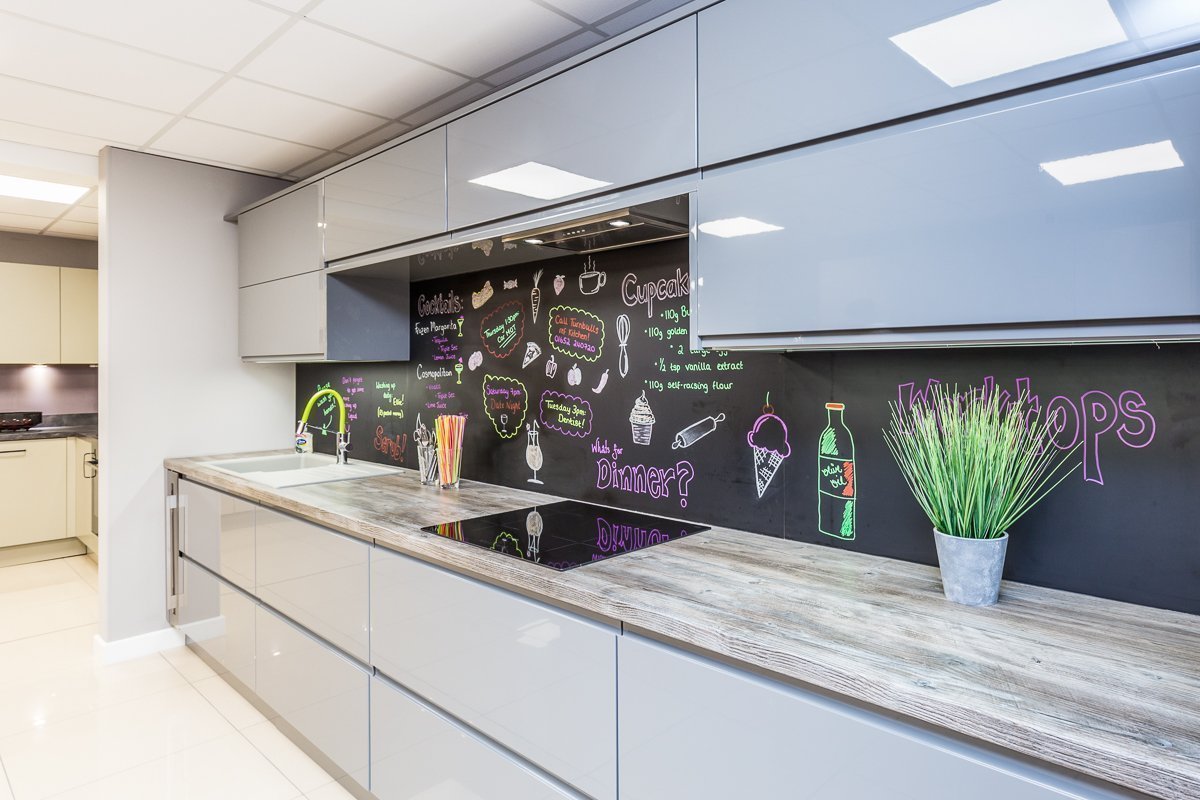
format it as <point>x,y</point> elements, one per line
<point>299,469</point>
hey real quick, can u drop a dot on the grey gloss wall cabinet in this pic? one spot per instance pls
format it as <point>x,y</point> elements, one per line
<point>539,681</point>
<point>693,729</point>
<point>390,198</point>
<point>627,116</point>
<point>417,752</point>
<point>218,531</point>
<point>774,74</point>
<point>961,221</point>
<point>281,238</point>
<point>284,319</point>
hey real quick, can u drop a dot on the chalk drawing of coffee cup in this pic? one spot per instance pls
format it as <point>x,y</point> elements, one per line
<point>591,281</point>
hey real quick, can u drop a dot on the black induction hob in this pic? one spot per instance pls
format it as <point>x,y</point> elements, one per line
<point>565,534</point>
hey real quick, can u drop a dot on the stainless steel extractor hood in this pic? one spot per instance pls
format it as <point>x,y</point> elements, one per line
<point>608,231</point>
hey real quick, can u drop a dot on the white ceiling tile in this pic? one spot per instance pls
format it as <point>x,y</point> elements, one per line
<point>200,140</point>
<point>365,143</point>
<point>326,161</point>
<point>57,140</point>
<point>91,200</point>
<point>59,109</point>
<point>288,5</point>
<point>215,33</point>
<point>551,55</point>
<point>591,10</point>
<point>451,102</point>
<point>48,164</point>
<point>36,208</point>
<point>83,214</point>
<point>23,222</point>
<point>283,114</point>
<point>323,63</point>
<point>636,16</point>
<point>471,36</point>
<point>57,57</point>
<point>65,226</point>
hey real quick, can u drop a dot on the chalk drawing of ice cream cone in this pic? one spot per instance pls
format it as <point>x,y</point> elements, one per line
<point>768,439</point>
<point>641,419</point>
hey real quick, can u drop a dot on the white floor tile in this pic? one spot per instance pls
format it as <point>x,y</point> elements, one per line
<point>40,656</point>
<point>231,705</point>
<point>190,665</point>
<point>332,791</point>
<point>50,698</point>
<point>39,574</point>
<point>38,618</point>
<point>221,769</point>
<point>290,759</point>
<point>85,567</point>
<point>83,749</point>
<point>5,790</point>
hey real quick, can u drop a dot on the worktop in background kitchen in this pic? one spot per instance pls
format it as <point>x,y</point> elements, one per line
<point>63,426</point>
<point>1104,689</point>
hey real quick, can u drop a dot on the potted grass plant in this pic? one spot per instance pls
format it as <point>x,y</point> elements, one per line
<point>976,463</point>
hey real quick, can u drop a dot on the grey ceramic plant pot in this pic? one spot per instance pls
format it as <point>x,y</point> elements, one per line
<point>971,568</point>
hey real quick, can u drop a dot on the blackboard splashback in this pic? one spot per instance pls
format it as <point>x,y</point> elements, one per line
<point>746,440</point>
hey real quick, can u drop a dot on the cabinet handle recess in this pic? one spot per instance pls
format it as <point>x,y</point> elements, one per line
<point>11,452</point>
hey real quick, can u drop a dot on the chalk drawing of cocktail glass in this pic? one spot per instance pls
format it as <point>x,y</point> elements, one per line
<point>533,452</point>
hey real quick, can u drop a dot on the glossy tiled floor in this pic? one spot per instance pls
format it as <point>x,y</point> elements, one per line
<point>162,727</point>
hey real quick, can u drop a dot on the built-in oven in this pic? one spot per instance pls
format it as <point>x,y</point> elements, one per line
<point>91,469</point>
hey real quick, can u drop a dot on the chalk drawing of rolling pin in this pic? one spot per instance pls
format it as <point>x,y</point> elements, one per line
<point>696,431</point>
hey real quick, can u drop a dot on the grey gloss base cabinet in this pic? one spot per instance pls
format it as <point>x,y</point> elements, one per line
<point>692,728</point>
<point>963,218</point>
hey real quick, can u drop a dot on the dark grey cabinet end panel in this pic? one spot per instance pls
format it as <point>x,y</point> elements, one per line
<point>625,117</point>
<point>772,74</point>
<point>1074,205</point>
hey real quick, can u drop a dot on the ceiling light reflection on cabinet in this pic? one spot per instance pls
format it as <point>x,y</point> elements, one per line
<point>29,189</point>
<point>539,181</point>
<point>737,226</point>
<point>1010,35</point>
<point>1153,157</point>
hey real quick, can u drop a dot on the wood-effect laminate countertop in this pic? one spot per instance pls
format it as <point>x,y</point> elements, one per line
<point>1108,689</point>
<point>50,432</point>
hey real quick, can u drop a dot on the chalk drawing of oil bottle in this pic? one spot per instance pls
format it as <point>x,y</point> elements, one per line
<point>837,487</point>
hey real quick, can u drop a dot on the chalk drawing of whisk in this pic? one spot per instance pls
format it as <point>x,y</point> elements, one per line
<point>623,342</point>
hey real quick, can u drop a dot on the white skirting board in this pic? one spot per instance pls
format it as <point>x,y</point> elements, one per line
<point>136,646</point>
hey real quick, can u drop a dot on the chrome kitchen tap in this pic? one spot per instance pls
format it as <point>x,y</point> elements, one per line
<point>343,435</point>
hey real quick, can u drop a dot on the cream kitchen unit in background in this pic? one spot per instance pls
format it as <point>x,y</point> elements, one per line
<point>48,315</point>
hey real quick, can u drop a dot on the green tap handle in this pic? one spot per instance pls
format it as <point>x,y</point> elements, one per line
<point>312,401</point>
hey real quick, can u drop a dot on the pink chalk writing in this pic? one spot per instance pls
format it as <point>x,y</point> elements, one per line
<point>656,482</point>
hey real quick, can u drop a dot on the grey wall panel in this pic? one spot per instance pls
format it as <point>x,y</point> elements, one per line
<point>773,74</point>
<point>960,221</point>
<point>690,728</point>
<point>627,116</point>
<point>390,198</point>
<point>314,576</point>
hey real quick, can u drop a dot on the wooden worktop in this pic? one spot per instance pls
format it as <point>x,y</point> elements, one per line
<point>1108,689</point>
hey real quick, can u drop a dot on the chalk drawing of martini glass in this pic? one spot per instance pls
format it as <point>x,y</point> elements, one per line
<point>533,452</point>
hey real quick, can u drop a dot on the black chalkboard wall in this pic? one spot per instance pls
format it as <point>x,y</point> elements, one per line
<point>727,426</point>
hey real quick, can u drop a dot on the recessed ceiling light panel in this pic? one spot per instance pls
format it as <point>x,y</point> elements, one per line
<point>1010,35</point>
<point>47,192</point>
<point>1153,157</point>
<point>540,181</point>
<point>736,226</point>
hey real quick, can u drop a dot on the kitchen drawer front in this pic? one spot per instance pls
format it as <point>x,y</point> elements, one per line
<point>219,620</point>
<point>959,223</point>
<point>281,238</point>
<point>625,117</point>
<point>692,728</point>
<point>218,532</point>
<point>317,691</point>
<point>416,752</point>
<point>773,74</point>
<point>283,319</point>
<point>390,198</point>
<point>537,680</point>
<point>33,491</point>
<point>314,576</point>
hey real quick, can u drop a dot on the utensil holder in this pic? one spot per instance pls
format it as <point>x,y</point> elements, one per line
<point>427,464</point>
